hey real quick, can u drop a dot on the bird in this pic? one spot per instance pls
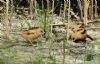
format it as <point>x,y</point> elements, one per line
<point>32,33</point>
<point>80,34</point>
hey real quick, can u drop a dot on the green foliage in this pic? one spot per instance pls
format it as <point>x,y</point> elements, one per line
<point>29,23</point>
<point>89,57</point>
<point>52,60</point>
<point>38,60</point>
<point>45,25</point>
<point>2,61</point>
<point>1,18</point>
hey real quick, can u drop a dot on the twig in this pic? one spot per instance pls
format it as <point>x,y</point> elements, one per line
<point>2,1</point>
<point>74,15</point>
<point>93,28</point>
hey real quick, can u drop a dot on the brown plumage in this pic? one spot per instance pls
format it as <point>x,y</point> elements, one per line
<point>32,33</point>
<point>80,34</point>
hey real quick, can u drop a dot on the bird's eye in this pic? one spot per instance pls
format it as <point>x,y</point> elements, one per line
<point>41,31</point>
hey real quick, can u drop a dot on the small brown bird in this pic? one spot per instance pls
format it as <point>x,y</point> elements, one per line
<point>32,33</point>
<point>80,34</point>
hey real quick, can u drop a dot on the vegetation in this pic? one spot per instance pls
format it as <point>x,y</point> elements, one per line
<point>57,18</point>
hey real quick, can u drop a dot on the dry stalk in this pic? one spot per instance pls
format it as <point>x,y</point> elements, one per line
<point>69,9</point>
<point>69,5</point>
<point>48,5</point>
<point>2,1</point>
<point>52,6</point>
<point>65,6</point>
<point>65,37</point>
<point>35,7</point>
<point>96,14</point>
<point>86,6</point>
<point>60,10</point>
<point>42,5</point>
<point>91,10</point>
<point>7,21</point>
<point>80,4</point>
<point>11,13</point>
<point>31,8</point>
